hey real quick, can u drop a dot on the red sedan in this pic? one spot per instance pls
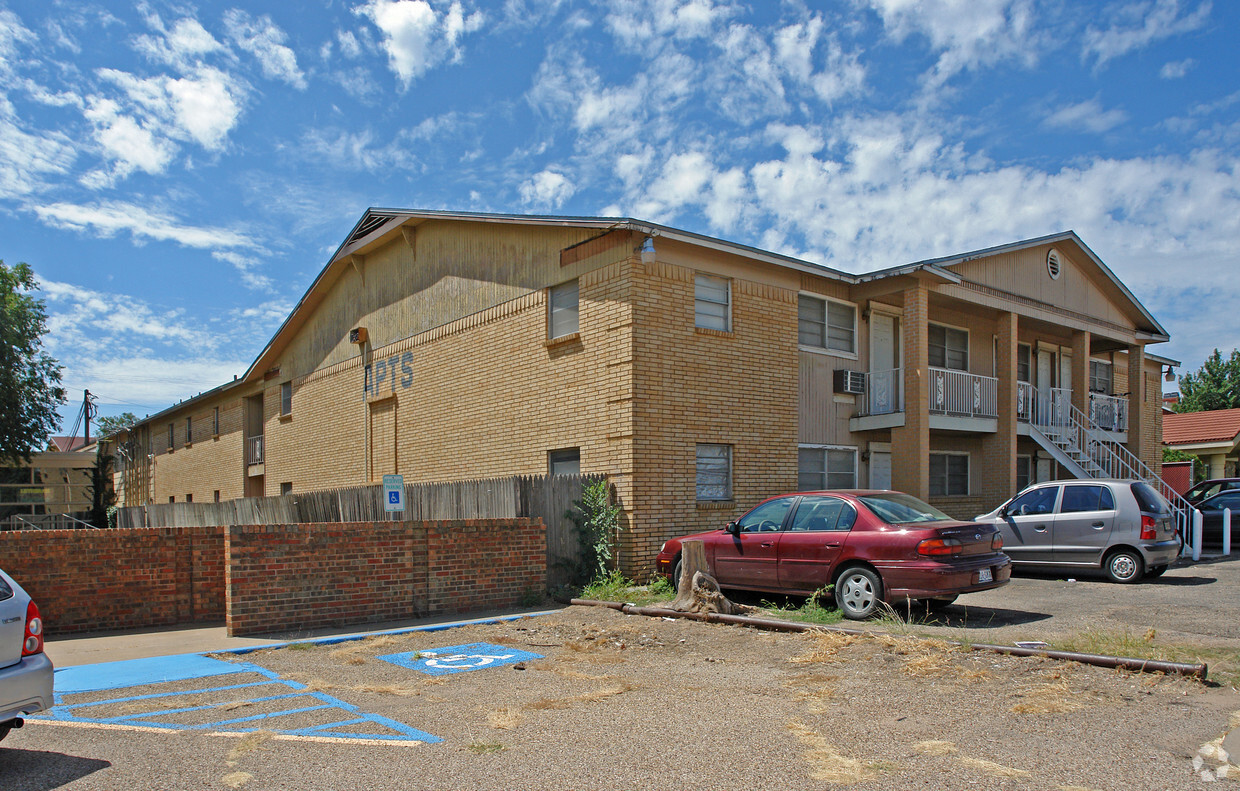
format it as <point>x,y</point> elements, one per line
<point>872,546</point>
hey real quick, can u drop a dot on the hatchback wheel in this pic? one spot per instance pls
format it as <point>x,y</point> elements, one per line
<point>858,592</point>
<point>1125,566</point>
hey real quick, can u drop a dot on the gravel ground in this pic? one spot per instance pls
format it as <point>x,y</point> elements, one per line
<point>628,702</point>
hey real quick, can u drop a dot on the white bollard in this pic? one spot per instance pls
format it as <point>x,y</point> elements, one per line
<point>1196,534</point>
<point>1226,531</point>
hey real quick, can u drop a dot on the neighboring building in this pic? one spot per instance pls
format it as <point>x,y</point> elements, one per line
<point>52,487</point>
<point>698,374</point>
<point>1214,436</point>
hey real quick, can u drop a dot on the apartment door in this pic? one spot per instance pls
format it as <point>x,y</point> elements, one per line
<point>884,390</point>
<point>1046,382</point>
<point>880,470</point>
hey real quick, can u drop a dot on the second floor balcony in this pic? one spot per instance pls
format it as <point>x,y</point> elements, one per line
<point>963,401</point>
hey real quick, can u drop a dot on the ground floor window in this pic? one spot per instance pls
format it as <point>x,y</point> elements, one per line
<point>949,474</point>
<point>714,472</point>
<point>564,462</point>
<point>826,467</point>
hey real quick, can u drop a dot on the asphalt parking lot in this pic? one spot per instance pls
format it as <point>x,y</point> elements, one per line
<point>589,697</point>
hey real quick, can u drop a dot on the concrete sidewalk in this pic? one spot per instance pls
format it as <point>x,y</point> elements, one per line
<point>72,650</point>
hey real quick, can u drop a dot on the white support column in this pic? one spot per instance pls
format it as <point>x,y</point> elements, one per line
<point>1196,534</point>
<point>1226,531</point>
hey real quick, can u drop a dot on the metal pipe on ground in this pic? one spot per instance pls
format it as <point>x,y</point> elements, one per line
<point>769,624</point>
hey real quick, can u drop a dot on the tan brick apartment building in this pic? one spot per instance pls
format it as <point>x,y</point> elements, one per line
<point>698,374</point>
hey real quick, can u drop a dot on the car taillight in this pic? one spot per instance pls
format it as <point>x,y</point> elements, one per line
<point>996,543</point>
<point>940,546</point>
<point>34,631</point>
<point>1149,531</point>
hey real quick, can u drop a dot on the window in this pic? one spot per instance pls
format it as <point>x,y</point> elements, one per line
<point>823,513</point>
<point>1099,377</point>
<point>189,430</point>
<point>564,462</point>
<point>286,398</point>
<point>172,499</point>
<point>215,422</point>
<point>714,472</point>
<point>1024,365</point>
<point>189,498</point>
<point>766,518</point>
<point>949,475</point>
<point>1024,472</point>
<point>217,495</point>
<point>826,468</point>
<point>826,324</point>
<point>712,302</point>
<point>562,309</point>
<point>286,487</point>
<point>171,428</point>
<point>1077,499</point>
<point>948,347</point>
<point>1037,501</point>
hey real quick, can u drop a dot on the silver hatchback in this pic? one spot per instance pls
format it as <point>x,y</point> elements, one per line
<point>25,671</point>
<point>1124,528</point>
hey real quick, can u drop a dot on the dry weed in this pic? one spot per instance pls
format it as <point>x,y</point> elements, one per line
<point>826,647</point>
<point>237,779</point>
<point>573,674</point>
<point>504,719</point>
<point>814,689</point>
<point>828,765</point>
<point>248,744</point>
<point>1053,698</point>
<point>353,653</point>
<point>992,768</point>
<point>1076,788</point>
<point>234,705</point>
<point>935,747</point>
<point>586,697</point>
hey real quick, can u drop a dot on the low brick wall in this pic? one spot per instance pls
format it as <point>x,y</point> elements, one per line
<point>93,580</point>
<point>308,576</point>
<point>260,578</point>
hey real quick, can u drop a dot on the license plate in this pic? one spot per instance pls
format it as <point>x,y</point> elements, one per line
<point>985,576</point>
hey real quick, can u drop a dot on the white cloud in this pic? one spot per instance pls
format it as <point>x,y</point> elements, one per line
<point>416,37</point>
<point>356,150</point>
<point>350,47</point>
<point>1176,69</point>
<point>794,50</point>
<point>108,218</point>
<point>203,108</point>
<point>266,42</point>
<point>123,139</point>
<point>245,266</point>
<point>1141,24</point>
<point>186,43</point>
<point>968,34</point>
<point>549,188</point>
<point>641,23</point>
<point>1087,116</point>
<point>27,159</point>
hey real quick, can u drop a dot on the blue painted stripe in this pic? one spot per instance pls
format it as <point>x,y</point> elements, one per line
<point>139,672</point>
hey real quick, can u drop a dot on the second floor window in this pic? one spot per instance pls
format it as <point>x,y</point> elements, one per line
<point>189,430</point>
<point>562,309</point>
<point>286,398</point>
<point>826,324</point>
<point>948,347</point>
<point>712,303</point>
<point>171,429</point>
<point>215,422</point>
<point>1099,377</point>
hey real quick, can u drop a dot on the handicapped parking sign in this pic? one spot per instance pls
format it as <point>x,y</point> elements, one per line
<point>393,493</point>
<point>460,658</point>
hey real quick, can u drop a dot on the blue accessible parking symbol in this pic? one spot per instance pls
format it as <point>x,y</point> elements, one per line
<point>459,658</point>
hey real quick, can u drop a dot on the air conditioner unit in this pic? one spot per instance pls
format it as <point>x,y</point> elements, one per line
<point>849,382</point>
<point>357,335</point>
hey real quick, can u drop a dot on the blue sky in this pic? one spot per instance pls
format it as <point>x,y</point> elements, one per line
<point>176,174</point>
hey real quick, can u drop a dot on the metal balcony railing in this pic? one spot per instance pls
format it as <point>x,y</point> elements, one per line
<point>962,394</point>
<point>254,450</point>
<point>883,393</point>
<point>1108,412</point>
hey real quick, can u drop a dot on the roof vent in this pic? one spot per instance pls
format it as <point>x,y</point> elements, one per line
<point>369,223</point>
<point>1052,264</point>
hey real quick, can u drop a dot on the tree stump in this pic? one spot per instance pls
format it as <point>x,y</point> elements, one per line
<point>697,590</point>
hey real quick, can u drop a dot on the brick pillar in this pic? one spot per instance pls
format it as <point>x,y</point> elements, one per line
<point>910,443</point>
<point>999,451</point>
<point>1138,443</point>
<point>1080,370</point>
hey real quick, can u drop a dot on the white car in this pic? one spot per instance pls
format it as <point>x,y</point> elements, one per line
<point>25,671</point>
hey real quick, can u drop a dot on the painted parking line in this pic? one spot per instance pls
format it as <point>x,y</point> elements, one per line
<point>316,714</point>
<point>459,658</point>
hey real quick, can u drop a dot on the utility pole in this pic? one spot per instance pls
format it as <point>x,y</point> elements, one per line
<point>89,410</point>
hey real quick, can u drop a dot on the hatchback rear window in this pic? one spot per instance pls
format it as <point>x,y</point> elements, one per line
<point>1149,500</point>
<point>5,591</point>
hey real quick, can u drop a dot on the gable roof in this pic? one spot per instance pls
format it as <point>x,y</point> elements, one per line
<point>1196,428</point>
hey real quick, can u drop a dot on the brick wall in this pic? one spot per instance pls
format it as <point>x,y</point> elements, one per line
<point>313,575</point>
<point>90,580</point>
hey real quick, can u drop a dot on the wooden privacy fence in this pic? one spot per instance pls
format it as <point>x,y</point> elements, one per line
<point>547,497</point>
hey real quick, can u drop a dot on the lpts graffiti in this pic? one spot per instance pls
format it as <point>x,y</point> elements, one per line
<point>387,372</point>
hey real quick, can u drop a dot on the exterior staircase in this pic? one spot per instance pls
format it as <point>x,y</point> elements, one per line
<point>1088,452</point>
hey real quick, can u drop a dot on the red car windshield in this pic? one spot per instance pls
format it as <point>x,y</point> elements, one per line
<point>902,509</point>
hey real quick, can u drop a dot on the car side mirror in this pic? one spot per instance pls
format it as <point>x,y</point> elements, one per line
<point>733,528</point>
<point>1002,511</point>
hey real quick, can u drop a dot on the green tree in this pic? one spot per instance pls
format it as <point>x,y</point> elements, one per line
<point>1216,385</point>
<point>30,390</point>
<point>102,495</point>
<point>114,423</point>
